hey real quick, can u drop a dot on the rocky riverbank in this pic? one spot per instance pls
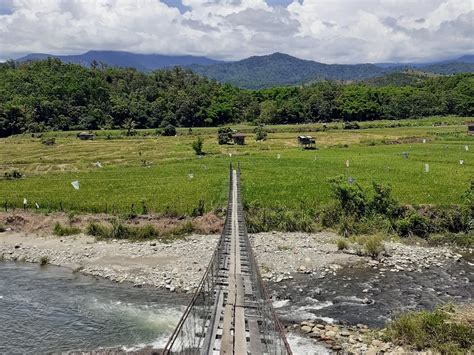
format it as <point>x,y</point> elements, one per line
<point>179,266</point>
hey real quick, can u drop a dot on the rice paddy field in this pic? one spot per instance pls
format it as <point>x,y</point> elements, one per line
<point>165,174</point>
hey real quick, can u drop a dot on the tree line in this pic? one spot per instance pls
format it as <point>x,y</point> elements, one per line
<point>51,95</point>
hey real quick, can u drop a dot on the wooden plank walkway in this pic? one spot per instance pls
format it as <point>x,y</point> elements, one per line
<point>239,318</point>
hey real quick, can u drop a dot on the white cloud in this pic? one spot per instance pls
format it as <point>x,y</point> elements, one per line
<point>324,30</point>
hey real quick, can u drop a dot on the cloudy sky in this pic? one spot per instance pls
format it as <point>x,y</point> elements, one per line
<point>332,31</point>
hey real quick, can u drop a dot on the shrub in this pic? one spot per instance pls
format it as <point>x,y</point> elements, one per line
<point>98,230</point>
<point>260,133</point>
<point>168,130</point>
<point>2,228</point>
<point>374,246</point>
<point>351,125</point>
<point>44,260</point>
<point>342,244</point>
<point>224,135</point>
<point>382,201</point>
<point>436,330</point>
<point>413,225</point>
<point>352,198</point>
<point>61,230</point>
<point>13,175</point>
<point>199,210</point>
<point>48,141</point>
<point>262,219</point>
<point>197,146</point>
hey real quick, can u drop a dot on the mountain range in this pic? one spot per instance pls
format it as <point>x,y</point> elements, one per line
<point>276,69</point>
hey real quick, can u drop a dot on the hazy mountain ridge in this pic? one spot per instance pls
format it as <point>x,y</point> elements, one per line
<point>143,62</point>
<point>257,72</point>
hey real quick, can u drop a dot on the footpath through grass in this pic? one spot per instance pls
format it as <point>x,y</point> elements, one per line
<point>162,174</point>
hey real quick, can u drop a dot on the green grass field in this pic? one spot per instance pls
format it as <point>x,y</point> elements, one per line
<point>275,172</point>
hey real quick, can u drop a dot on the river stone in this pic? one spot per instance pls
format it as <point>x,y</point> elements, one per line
<point>306,329</point>
<point>330,333</point>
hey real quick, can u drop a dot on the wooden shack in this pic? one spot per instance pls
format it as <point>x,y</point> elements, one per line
<point>85,136</point>
<point>470,128</point>
<point>238,138</point>
<point>306,142</point>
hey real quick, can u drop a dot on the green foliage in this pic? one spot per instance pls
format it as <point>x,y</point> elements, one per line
<point>432,330</point>
<point>342,244</point>
<point>260,219</point>
<point>13,175</point>
<point>351,198</point>
<point>224,135</point>
<point>414,225</point>
<point>119,230</point>
<point>197,146</point>
<point>44,260</point>
<point>61,230</point>
<point>260,133</point>
<point>48,141</point>
<point>50,95</point>
<point>351,125</point>
<point>169,130</point>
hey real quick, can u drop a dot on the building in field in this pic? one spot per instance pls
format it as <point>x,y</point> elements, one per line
<point>470,128</point>
<point>238,138</point>
<point>85,136</point>
<point>306,142</point>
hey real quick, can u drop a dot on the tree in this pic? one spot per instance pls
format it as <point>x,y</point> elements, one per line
<point>260,133</point>
<point>129,126</point>
<point>198,145</point>
<point>224,135</point>
<point>169,130</point>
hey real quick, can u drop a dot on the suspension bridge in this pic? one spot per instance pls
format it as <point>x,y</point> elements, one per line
<point>230,312</point>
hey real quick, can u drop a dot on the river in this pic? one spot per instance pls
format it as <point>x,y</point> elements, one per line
<point>45,309</point>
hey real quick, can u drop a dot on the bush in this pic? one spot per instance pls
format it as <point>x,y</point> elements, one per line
<point>260,133</point>
<point>351,198</point>
<point>432,330</point>
<point>382,201</point>
<point>374,246</point>
<point>44,260</point>
<point>351,125</point>
<point>2,228</point>
<point>262,219</point>
<point>413,225</point>
<point>168,131</point>
<point>197,146</point>
<point>224,135</point>
<point>61,230</point>
<point>48,141</point>
<point>13,175</point>
<point>342,244</point>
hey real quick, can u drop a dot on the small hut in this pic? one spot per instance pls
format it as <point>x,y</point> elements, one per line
<point>238,138</point>
<point>85,136</point>
<point>470,128</point>
<point>306,142</point>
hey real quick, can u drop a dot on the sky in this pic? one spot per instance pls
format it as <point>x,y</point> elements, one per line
<point>329,31</point>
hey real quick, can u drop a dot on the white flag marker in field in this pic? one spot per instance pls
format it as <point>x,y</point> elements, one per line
<point>75,184</point>
<point>424,141</point>
<point>466,148</point>
<point>427,168</point>
<point>278,156</point>
<point>25,201</point>
<point>190,176</point>
<point>461,162</point>
<point>347,163</point>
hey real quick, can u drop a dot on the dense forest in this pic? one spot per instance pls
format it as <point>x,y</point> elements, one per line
<point>51,95</point>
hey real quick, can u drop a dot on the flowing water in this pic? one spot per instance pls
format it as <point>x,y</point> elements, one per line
<point>50,309</point>
<point>371,297</point>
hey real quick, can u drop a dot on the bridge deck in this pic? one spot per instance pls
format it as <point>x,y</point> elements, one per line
<point>230,313</point>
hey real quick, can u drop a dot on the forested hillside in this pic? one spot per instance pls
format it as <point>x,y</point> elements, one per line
<point>49,95</point>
